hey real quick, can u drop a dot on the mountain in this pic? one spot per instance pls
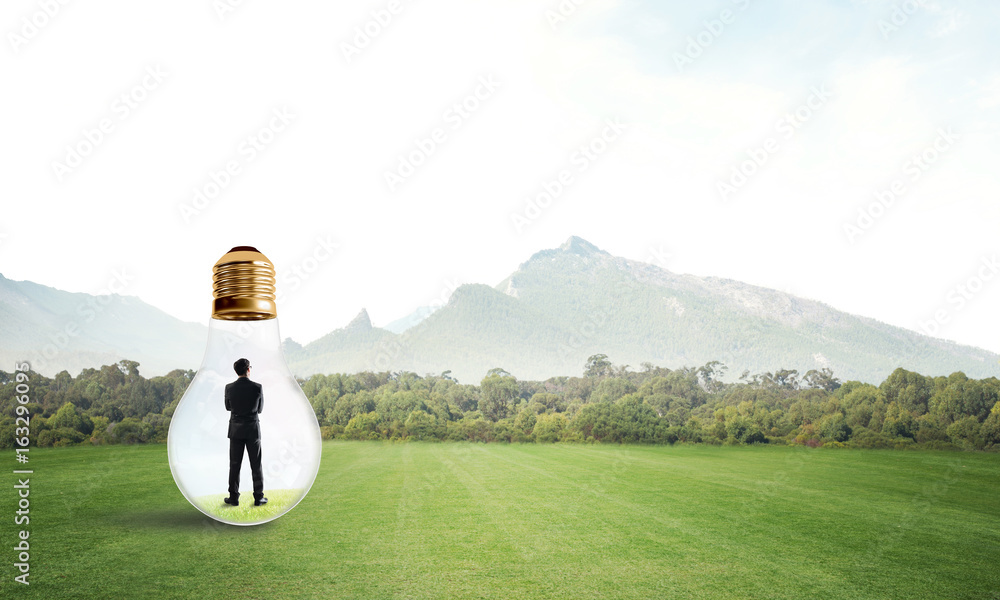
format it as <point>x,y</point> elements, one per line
<point>414,318</point>
<point>566,304</point>
<point>557,309</point>
<point>56,330</point>
<point>356,347</point>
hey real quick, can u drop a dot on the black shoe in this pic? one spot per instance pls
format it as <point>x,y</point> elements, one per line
<point>260,501</point>
<point>230,501</point>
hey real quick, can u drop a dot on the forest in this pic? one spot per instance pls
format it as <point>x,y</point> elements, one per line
<point>607,404</point>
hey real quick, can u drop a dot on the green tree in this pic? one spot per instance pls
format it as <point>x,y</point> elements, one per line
<point>967,433</point>
<point>597,365</point>
<point>551,402</point>
<point>834,427</point>
<point>362,427</point>
<point>549,428</point>
<point>822,379</point>
<point>498,395</point>
<point>711,375</point>
<point>524,424</point>
<point>784,378</point>
<point>68,417</point>
<point>100,434</point>
<point>744,430</point>
<point>129,431</point>
<point>991,427</point>
<point>898,422</point>
<point>860,402</point>
<point>910,390</point>
<point>421,426</point>
<point>611,389</point>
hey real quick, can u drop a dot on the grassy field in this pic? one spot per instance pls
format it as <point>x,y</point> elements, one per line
<point>499,521</point>
<point>246,512</point>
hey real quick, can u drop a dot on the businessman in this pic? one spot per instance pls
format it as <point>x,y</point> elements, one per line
<point>244,401</point>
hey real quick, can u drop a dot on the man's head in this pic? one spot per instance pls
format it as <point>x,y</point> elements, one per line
<point>242,367</point>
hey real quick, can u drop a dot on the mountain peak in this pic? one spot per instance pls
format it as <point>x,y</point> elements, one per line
<point>578,245</point>
<point>360,322</point>
<point>290,345</point>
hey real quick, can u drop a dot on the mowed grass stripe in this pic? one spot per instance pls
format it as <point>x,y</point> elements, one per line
<point>504,548</point>
<point>504,521</point>
<point>625,524</point>
<point>712,513</point>
<point>616,540</point>
<point>824,514</point>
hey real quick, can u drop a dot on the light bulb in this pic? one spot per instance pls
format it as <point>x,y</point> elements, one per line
<point>244,325</point>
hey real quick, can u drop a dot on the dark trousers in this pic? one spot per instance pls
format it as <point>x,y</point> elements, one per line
<point>236,447</point>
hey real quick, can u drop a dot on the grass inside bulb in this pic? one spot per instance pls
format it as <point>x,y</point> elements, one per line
<point>244,325</point>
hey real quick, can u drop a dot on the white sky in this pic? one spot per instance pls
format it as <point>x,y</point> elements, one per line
<point>651,195</point>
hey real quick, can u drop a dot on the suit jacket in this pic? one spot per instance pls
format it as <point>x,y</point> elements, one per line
<point>244,401</point>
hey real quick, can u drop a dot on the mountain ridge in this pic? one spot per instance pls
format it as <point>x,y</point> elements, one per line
<point>56,330</point>
<point>545,319</point>
<point>566,303</point>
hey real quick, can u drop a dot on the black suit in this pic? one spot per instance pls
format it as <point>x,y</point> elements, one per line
<point>244,401</point>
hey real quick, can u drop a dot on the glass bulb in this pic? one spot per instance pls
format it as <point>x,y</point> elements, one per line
<point>244,325</point>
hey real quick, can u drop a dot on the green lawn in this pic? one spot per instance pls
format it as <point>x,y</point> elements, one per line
<point>246,512</point>
<point>499,521</point>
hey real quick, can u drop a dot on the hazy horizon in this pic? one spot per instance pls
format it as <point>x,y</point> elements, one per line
<point>380,322</point>
<point>842,152</point>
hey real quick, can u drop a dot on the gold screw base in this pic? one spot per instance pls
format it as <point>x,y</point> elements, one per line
<point>243,286</point>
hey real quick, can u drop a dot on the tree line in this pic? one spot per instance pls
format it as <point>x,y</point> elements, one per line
<point>607,404</point>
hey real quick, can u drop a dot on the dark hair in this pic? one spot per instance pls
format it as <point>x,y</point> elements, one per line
<point>241,366</point>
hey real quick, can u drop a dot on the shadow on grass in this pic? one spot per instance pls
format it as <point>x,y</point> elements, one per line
<point>181,518</point>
